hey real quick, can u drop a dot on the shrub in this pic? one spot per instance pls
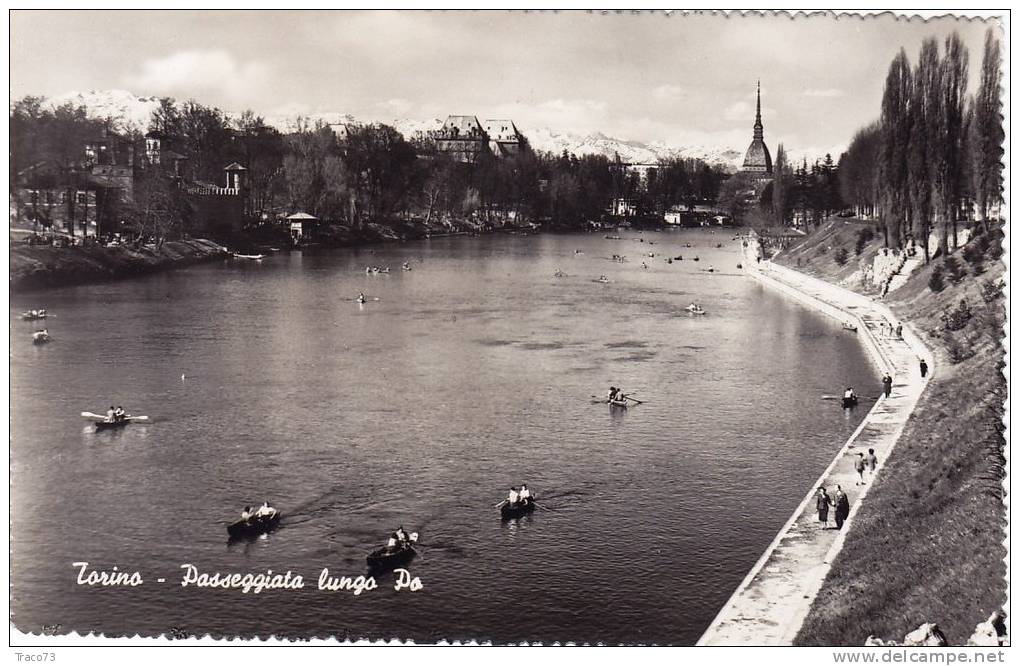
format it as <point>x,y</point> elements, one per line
<point>840,255</point>
<point>863,237</point>
<point>955,269</point>
<point>974,254</point>
<point>956,350</point>
<point>935,280</point>
<point>957,319</point>
<point>822,249</point>
<point>990,291</point>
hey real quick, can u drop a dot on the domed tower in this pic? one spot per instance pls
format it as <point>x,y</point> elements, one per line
<point>757,159</point>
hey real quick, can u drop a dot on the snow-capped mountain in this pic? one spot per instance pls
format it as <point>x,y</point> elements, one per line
<point>131,112</point>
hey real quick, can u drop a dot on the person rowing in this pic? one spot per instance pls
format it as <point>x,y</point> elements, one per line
<point>265,511</point>
<point>111,414</point>
<point>119,414</point>
<point>512,498</point>
<point>525,495</point>
<point>401,535</point>
<point>849,393</point>
<point>361,298</point>
<point>613,392</point>
<point>246,514</point>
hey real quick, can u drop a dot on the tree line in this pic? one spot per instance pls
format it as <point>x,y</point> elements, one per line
<point>357,174</point>
<point>935,151</point>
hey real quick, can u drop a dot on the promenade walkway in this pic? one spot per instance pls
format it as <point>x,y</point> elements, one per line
<point>771,603</point>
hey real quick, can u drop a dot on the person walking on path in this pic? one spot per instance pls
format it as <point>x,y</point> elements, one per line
<point>859,467</point>
<point>899,331</point>
<point>842,504</point>
<point>822,504</point>
<point>887,384</point>
<point>871,461</point>
<point>924,369</point>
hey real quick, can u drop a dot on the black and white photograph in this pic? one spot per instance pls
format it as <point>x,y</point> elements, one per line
<point>508,328</point>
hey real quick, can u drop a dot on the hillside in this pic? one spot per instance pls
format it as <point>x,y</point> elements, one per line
<point>939,501</point>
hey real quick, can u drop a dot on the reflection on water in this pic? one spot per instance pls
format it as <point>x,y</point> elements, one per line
<point>475,371</point>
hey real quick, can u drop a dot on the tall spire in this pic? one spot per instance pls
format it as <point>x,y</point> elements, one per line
<point>759,129</point>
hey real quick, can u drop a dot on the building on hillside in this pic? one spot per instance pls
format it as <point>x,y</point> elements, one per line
<point>504,138</point>
<point>462,138</point>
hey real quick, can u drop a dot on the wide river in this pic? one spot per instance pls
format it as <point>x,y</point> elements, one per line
<point>472,372</point>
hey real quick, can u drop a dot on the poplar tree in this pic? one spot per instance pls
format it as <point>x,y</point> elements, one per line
<point>895,148</point>
<point>948,153</point>
<point>780,186</point>
<point>924,136</point>
<point>988,134</point>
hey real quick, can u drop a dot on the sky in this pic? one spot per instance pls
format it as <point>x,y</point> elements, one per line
<point>685,80</point>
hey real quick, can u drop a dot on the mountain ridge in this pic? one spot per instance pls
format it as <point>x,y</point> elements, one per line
<point>132,112</point>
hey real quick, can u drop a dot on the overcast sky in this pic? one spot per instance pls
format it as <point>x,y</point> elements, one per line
<point>684,80</point>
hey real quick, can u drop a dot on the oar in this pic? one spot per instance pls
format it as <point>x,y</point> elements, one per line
<point>501,504</point>
<point>542,506</point>
<point>627,397</point>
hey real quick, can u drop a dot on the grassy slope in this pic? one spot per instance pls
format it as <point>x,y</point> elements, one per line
<point>927,543</point>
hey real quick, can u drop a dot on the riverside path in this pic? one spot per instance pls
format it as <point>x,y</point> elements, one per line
<point>770,605</point>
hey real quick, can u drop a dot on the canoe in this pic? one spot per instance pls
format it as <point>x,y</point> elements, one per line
<point>253,527</point>
<point>384,560</point>
<point>516,511</point>
<point>849,402</point>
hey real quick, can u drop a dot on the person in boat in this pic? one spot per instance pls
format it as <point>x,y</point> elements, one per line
<point>513,497</point>
<point>391,544</point>
<point>401,535</point>
<point>613,391</point>
<point>246,515</point>
<point>849,393</point>
<point>119,414</point>
<point>361,298</point>
<point>525,495</point>
<point>111,414</point>
<point>265,511</point>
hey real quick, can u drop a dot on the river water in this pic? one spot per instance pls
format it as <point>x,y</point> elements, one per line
<point>472,372</point>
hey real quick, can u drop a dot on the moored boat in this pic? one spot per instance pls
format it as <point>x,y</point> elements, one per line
<point>253,527</point>
<point>253,257</point>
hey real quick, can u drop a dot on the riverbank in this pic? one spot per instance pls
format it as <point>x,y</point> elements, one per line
<point>938,504</point>
<point>41,266</point>
<point>771,603</point>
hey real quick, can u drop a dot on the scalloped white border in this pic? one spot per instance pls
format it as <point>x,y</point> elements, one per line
<point>68,646</point>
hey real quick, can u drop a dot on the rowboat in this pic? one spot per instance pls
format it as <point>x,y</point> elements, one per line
<point>695,310</point>
<point>253,257</point>
<point>40,338</point>
<point>508,511</point>
<point>850,327</point>
<point>253,527</point>
<point>849,402</point>
<point>103,423</point>
<point>33,315</point>
<point>383,559</point>
<point>618,403</point>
